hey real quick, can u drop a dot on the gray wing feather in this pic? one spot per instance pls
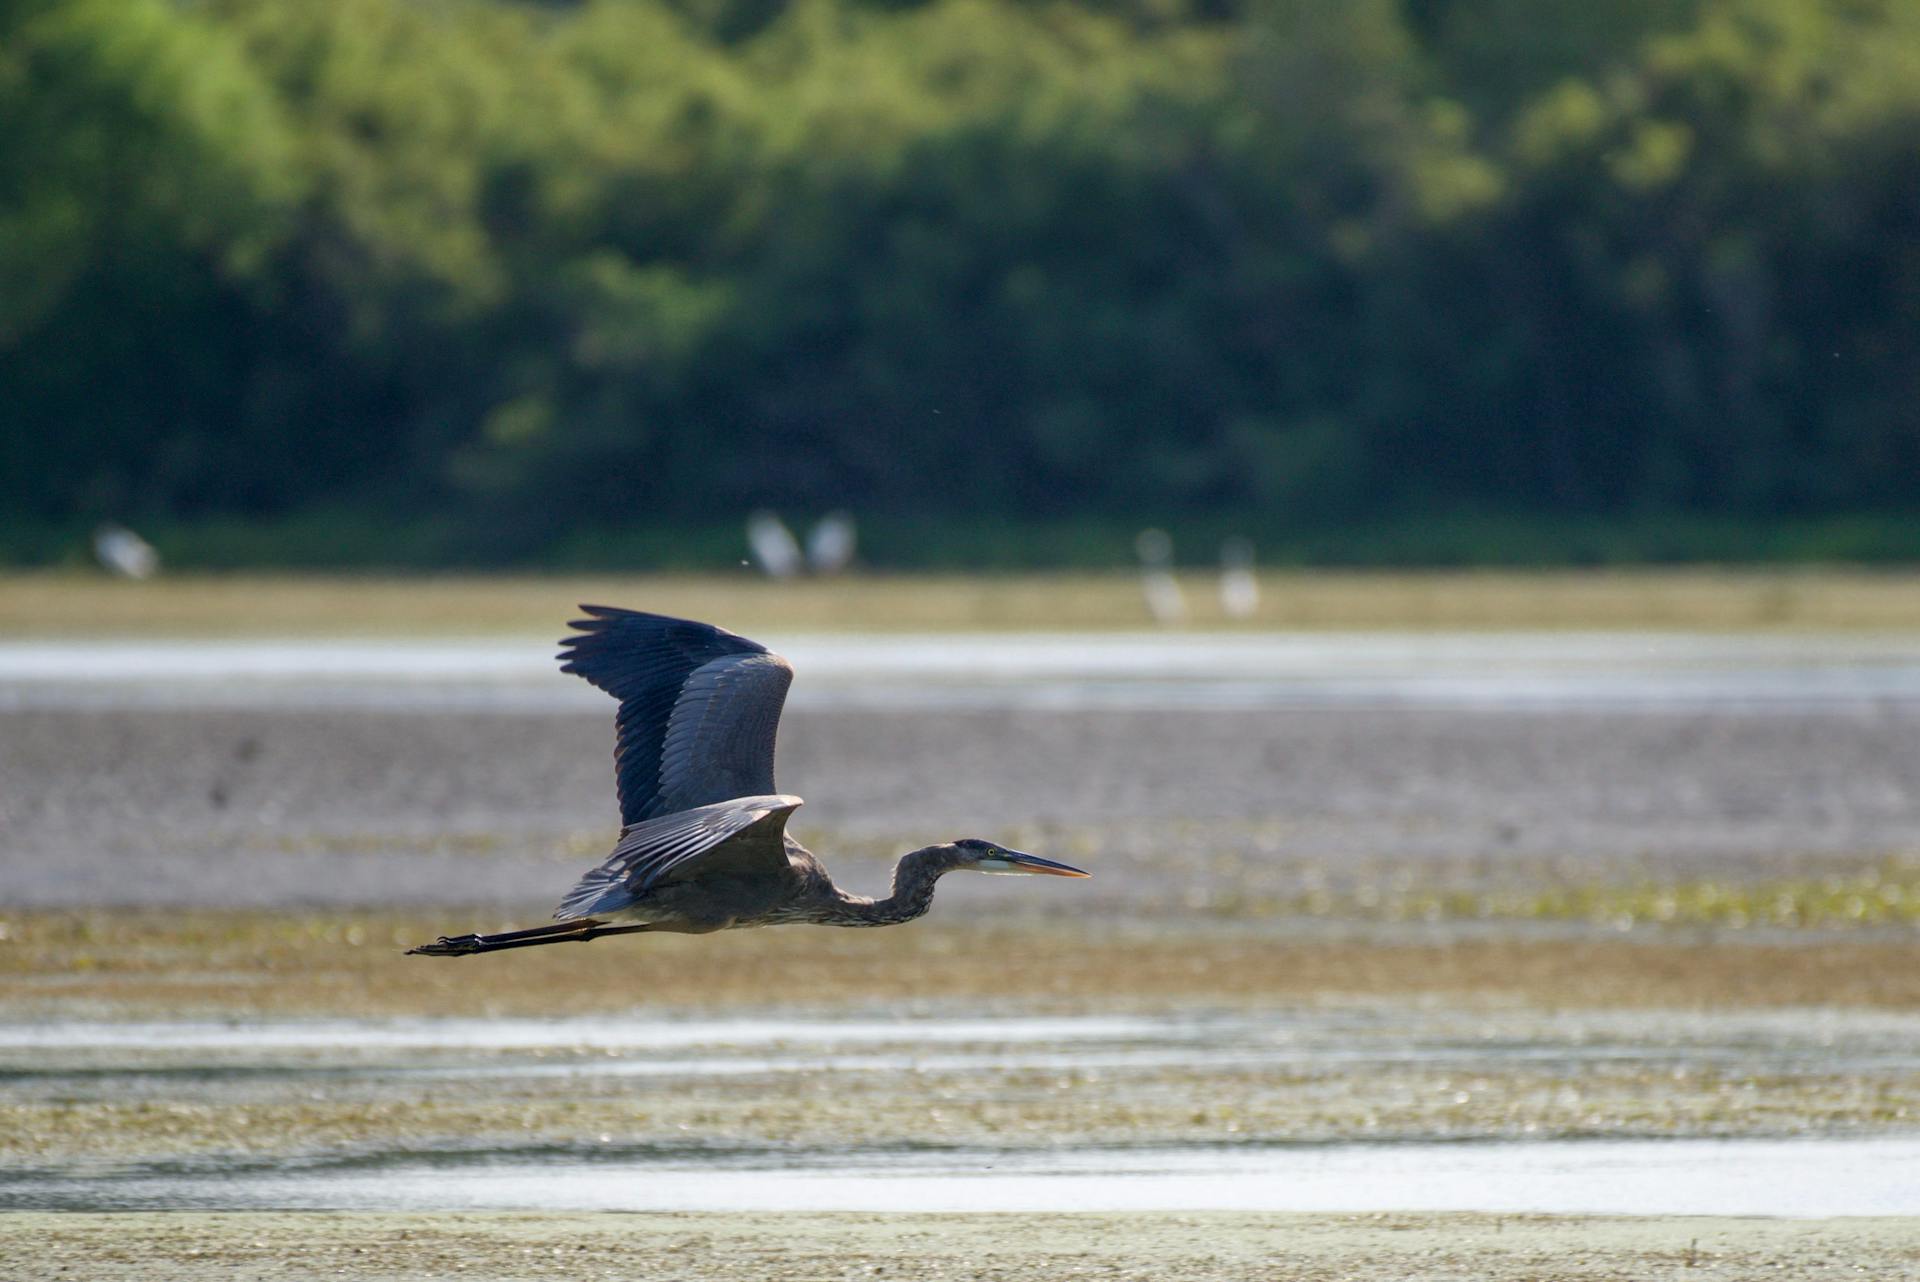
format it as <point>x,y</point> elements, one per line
<point>715,838</point>
<point>699,707</point>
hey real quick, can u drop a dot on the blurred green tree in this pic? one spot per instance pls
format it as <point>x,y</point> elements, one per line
<point>512,271</point>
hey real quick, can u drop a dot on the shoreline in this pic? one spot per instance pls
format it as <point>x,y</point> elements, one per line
<point>1784,599</point>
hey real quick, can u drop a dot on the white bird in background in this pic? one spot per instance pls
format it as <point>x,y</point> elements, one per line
<point>1165,602</point>
<point>831,546</point>
<point>1239,590</point>
<point>122,552</point>
<point>774,546</point>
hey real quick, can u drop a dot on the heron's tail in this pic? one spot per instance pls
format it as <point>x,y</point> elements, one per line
<point>577,931</point>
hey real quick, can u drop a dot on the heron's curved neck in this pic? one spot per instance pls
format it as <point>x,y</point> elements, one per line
<point>913,880</point>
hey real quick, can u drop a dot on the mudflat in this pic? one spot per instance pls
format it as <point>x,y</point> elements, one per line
<point>1364,928</point>
<point>211,964</point>
<point>1039,1247</point>
<point>1216,812</point>
<point>1307,1032</point>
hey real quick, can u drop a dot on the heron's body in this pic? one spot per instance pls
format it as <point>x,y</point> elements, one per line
<point>704,845</point>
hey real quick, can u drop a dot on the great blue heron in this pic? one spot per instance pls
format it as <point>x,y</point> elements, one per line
<point>704,845</point>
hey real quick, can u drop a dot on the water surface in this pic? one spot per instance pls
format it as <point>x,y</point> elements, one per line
<point>1810,1178</point>
<point>1125,670</point>
<point>913,1166</point>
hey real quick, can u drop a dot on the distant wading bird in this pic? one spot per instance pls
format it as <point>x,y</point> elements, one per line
<point>704,845</point>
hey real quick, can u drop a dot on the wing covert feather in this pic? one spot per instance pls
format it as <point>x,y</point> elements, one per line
<point>741,837</point>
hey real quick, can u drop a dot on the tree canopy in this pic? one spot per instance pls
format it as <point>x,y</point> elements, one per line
<point>526,270</point>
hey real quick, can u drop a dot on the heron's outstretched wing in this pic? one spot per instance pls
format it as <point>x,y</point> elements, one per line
<point>740,837</point>
<point>699,707</point>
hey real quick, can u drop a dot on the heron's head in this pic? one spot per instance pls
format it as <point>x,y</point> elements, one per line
<point>988,856</point>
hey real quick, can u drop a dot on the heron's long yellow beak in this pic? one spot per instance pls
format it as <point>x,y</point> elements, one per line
<point>1022,862</point>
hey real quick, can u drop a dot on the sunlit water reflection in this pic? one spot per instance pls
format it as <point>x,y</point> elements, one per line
<point>1817,1177</point>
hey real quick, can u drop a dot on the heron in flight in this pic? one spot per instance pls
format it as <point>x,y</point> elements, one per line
<point>703,844</point>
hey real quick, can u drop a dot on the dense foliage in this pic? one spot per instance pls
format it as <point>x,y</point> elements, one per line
<point>519,271</point>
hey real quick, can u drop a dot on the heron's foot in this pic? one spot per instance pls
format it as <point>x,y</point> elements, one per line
<point>448,946</point>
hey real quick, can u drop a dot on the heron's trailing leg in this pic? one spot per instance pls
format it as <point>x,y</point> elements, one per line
<point>562,932</point>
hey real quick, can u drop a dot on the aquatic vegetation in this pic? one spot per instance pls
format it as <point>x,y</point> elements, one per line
<point>1885,894</point>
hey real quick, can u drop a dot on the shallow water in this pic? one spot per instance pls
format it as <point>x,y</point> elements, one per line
<point>189,1065</point>
<point>1812,1178</point>
<point>1771,1041</point>
<point>1136,671</point>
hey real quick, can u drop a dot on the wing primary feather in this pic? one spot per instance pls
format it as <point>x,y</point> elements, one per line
<point>721,725</point>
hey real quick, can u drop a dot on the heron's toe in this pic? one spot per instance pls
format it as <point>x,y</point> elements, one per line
<point>447,946</point>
